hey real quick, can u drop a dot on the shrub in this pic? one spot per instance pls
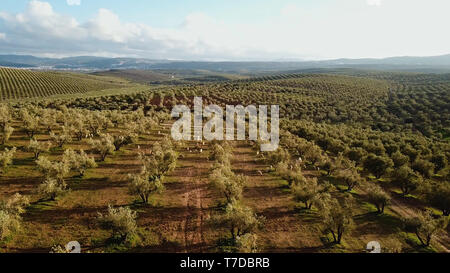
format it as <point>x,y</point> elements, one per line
<point>247,243</point>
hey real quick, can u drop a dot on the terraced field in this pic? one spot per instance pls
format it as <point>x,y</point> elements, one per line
<point>18,84</point>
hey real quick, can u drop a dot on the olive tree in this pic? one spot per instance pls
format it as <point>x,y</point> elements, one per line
<point>337,216</point>
<point>10,211</point>
<point>239,220</point>
<point>161,161</point>
<point>350,177</point>
<point>50,189</point>
<point>48,119</point>
<point>438,196</point>
<point>378,165</point>
<point>399,159</point>
<point>220,153</point>
<point>340,163</point>
<point>121,221</point>
<point>30,123</point>
<point>378,197</point>
<point>62,138</point>
<point>53,170</point>
<point>5,133</point>
<point>292,173</point>
<point>103,146</point>
<point>424,167</point>
<point>405,178</point>
<point>227,183</point>
<point>38,147</point>
<point>78,161</point>
<point>6,159</point>
<point>278,156</point>
<point>76,126</point>
<point>5,129</point>
<point>425,226</point>
<point>155,167</point>
<point>247,243</point>
<point>144,185</point>
<point>96,122</point>
<point>309,192</point>
<point>126,138</point>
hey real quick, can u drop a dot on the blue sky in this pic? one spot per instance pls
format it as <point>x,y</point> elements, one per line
<point>225,29</point>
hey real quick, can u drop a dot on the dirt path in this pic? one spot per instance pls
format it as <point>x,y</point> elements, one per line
<point>195,209</point>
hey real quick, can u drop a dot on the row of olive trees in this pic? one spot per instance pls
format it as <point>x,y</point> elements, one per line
<point>157,163</point>
<point>160,161</point>
<point>10,211</point>
<point>337,213</point>
<point>55,172</point>
<point>238,219</point>
<point>63,126</point>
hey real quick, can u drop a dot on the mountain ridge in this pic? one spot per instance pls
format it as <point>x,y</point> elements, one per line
<point>105,63</point>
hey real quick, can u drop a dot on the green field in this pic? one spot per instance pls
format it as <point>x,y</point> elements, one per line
<point>16,84</point>
<point>349,139</point>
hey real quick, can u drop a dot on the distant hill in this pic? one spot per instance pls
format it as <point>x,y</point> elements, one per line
<point>100,63</point>
<point>21,83</point>
<point>140,76</point>
<point>173,77</point>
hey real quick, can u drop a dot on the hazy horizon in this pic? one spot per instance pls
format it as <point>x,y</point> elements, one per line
<point>250,30</point>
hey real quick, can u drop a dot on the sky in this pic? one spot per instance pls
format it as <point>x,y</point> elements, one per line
<point>225,30</point>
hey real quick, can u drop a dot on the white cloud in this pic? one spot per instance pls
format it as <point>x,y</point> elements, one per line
<point>291,10</point>
<point>374,2</point>
<point>2,36</point>
<point>339,29</point>
<point>73,2</point>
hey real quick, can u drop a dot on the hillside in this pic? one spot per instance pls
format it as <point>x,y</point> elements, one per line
<point>172,77</point>
<point>407,63</point>
<point>19,84</point>
<point>346,141</point>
